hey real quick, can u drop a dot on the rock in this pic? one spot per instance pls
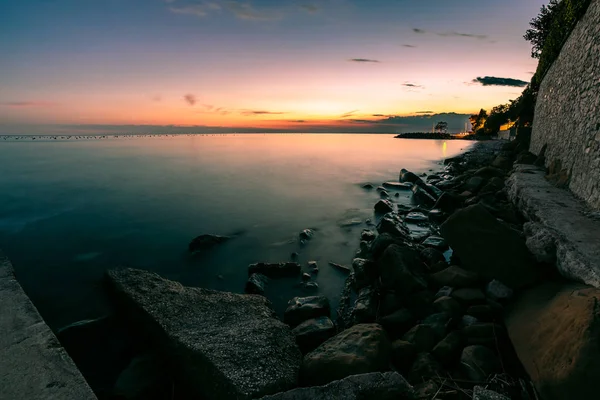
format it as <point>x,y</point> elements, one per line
<point>143,379</point>
<point>384,206</point>
<point>477,363</point>
<point>439,322</point>
<point>541,242</point>
<point>502,162</point>
<point>425,366</point>
<point>340,267</point>
<point>367,235</point>
<point>467,320</point>
<point>224,345</point>
<point>437,216</point>
<point>422,336</point>
<point>390,302</point>
<point>396,194</point>
<point>306,276</point>
<point>416,217</point>
<point>367,186</point>
<point>484,333</point>
<point>455,277</point>
<point>397,185</point>
<point>205,242</point>
<point>403,354</point>
<point>445,291</point>
<point>468,295</point>
<point>382,242</point>
<point>384,194</point>
<point>380,189</point>
<point>490,172</point>
<point>479,393</point>
<point>398,323</point>
<point>555,329</point>
<point>526,158</point>
<point>497,291</point>
<point>275,270</point>
<point>426,390</point>
<point>436,242</point>
<point>391,224</point>
<point>422,197</point>
<point>365,307</point>
<point>482,242</point>
<point>301,309</point>
<point>397,266</point>
<point>373,386</point>
<point>365,272</point>
<point>493,185</point>
<point>407,176</point>
<point>448,305</point>
<point>474,184</point>
<point>360,349</point>
<point>432,256</point>
<point>306,234</point>
<point>448,203</point>
<point>313,265</point>
<point>483,312</point>
<point>420,303</point>
<point>256,284</point>
<point>311,333</point>
<point>310,286</point>
<point>449,349</point>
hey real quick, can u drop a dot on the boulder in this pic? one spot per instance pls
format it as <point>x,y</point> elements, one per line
<point>301,309</point>
<point>449,305</point>
<point>439,322</point>
<point>397,185</point>
<point>502,162</point>
<point>422,197</point>
<point>256,284</point>
<point>220,345</point>
<point>367,235</point>
<point>306,234</point>
<point>205,242</point>
<point>398,266</point>
<point>310,334</point>
<point>424,337</point>
<point>425,366</point>
<point>384,206</point>
<point>436,242</point>
<point>455,277</point>
<point>480,393</point>
<point>407,176</point>
<point>431,256</point>
<point>275,270</point>
<point>493,185</point>
<point>365,307</point>
<point>393,225</point>
<point>367,186</point>
<point>398,322</point>
<point>382,242</point>
<point>144,379</point>
<point>403,354</point>
<point>420,303</point>
<point>489,247</point>
<point>477,363</point>
<point>448,203</point>
<point>449,349</point>
<point>468,295</point>
<point>555,329</point>
<point>360,349</point>
<point>497,291</point>
<point>373,386</point>
<point>365,272</point>
<point>474,184</point>
<point>384,194</point>
<point>483,312</point>
<point>490,172</point>
<point>416,217</point>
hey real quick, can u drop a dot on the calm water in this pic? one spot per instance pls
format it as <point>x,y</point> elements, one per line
<point>69,209</point>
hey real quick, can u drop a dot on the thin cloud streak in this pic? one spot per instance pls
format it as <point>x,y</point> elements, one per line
<point>28,104</point>
<point>451,34</point>
<point>363,60</point>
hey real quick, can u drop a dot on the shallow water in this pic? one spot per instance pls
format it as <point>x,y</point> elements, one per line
<point>69,209</point>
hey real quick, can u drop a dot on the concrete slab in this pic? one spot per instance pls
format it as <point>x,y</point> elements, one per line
<point>33,364</point>
<point>560,229</point>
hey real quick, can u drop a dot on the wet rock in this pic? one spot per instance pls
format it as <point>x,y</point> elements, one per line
<point>397,185</point>
<point>493,185</point>
<point>436,242</point>
<point>502,162</point>
<point>205,242</point>
<point>294,256</point>
<point>256,284</point>
<point>422,336</point>
<point>367,186</point>
<point>373,386</point>
<point>380,189</point>
<point>439,322</point>
<point>425,366</point>
<point>365,272</point>
<point>468,295</point>
<point>490,172</point>
<point>448,203</point>
<point>468,320</point>
<point>384,206</point>
<point>448,305</point>
<point>416,217</point>
<point>432,256</point>
<point>526,158</point>
<point>449,349</point>
<point>480,393</point>
<point>306,234</point>
<point>477,363</point>
<point>143,379</point>
<point>498,291</point>
<point>455,277</point>
<point>313,266</point>
<point>310,286</point>
<point>445,291</point>
<point>407,176</point>
<point>360,349</point>
<point>311,333</point>
<point>474,184</point>
<point>367,235</point>
<point>306,277</point>
<point>384,194</point>
<point>244,350</point>
<point>365,307</point>
<point>275,270</point>
<point>382,242</point>
<point>482,242</point>
<point>398,323</point>
<point>396,194</point>
<point>392,225</point>
<point>340,267</point>
<point>301,309</point>
<point>403,354</point>
<point>421,197</point>
<point>398,266</point>
<point>437,216</point>
<point>541,242</point>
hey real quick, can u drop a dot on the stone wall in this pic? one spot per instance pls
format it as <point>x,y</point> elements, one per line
<point>567,113</point>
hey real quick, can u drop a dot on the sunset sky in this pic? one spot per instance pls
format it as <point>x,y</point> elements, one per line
<point>314,65</point>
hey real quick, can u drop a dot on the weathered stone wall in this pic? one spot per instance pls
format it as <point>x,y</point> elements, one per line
<point>567,113</point>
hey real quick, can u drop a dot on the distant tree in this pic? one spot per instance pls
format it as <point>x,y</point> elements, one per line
<point>478,121</point>
<point>441,127</point>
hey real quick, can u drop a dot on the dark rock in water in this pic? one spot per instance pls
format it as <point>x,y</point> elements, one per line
<point>360,349</point>
<point>397,185</point>
<point>489,247</point>
<point>311,333</point>
<point>416,217</point>
<point>437,216</point>
<point>422,336</point>
<point>481,393</point>
<point>456,277</point>
<point>256,284</point>
<point>431,256</point>
<point>224,345</point>
<point>448,305</point>
<point>448,203</point>
<point>425,366</point>
<point>373,386</point>
<point>396,194</point>
<point>398,270</point>
<point>205,242</point>
<point>392,224</point>
<point>306,277</point>
<point>313,265</point>
<point>367,235</point>
<point>403,354</point>
<point>310,286</point>
<point>421,197</point>
<point>275,270</point>
<point>449,349</point>
<point>380,188</point>
<point>384,194</point>
<point>469,295</point>
<point>365,272</point>
<point>306,234</point>
<point>144,379</point>
<point>340,267</point>
<point>382,242</point>
<point>365,307</point>
<point>384,206</point>
<point>478,362</point>
<point>407,176</point>
<point>436,242</point>
<point>367,186</point>
<point>301,309</point>
<point>294,256</point>
<point>398,323</point>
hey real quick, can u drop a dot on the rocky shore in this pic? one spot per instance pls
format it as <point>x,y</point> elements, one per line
<point>444,300</point>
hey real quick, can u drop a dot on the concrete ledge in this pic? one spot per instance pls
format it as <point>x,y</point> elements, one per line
<point>33,365</point>
<point>558,231</point>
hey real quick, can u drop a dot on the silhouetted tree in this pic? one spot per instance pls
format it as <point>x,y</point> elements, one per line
<point>478,121</point>
<point>441,127</point>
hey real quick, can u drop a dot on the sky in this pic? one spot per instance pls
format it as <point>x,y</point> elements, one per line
<point>258,65</point>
